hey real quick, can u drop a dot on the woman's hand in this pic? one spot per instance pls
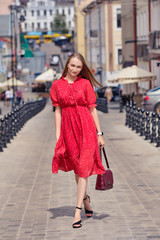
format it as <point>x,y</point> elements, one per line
<point>101,141</point>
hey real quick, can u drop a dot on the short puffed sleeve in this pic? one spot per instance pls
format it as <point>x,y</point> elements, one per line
<point>90,95</point>
<point>53,95</point>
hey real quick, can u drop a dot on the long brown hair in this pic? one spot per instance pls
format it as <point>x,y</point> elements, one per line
<point>85,72</point>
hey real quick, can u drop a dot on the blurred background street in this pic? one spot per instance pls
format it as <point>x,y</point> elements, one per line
<point>120,40</point>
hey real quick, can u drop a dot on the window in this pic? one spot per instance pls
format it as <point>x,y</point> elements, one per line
<point>57,12</point>
<point>32,25</point>
<point>45,12</point>
<point>41,3</point>
<point>142,50</point>
<point>25,13</point>
<point>63,12</point>
<point>32,12</point>
<point>25,25</point>
<point>50,12</point>
<point>38,25</point>
<point>119,53</point>
<point>38,13</point>
<point>51,25</point>
<point>69,23</point>
<point>118,17</point>
<point>93,33</point>
<point>69,11</point>
<point>45,25</point>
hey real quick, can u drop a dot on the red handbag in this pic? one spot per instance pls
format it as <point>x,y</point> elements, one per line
<point>104,181</point>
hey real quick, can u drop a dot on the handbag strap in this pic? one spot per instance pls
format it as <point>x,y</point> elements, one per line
<point>105,156</point>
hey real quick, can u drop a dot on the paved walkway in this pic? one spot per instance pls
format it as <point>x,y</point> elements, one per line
<point>37,205</point>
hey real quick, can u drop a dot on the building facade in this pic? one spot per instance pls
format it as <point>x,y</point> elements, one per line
<point>39,16</point>
<point>135,40</point>
<point>140,39</point>
<point>154,39</point>
<point>79,37</point>
<point>4,7</point>
<point>66,9</point>
<point>103,41</point>
<point>5,42</point>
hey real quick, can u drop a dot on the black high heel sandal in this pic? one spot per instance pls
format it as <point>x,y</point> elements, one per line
<point>88,212</point>
<point>77,224</point>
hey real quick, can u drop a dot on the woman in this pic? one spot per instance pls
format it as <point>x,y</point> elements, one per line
<point>108,93</point>
<point>78,131</point>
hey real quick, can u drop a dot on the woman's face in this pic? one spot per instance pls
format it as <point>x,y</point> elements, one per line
<point>74,66</point>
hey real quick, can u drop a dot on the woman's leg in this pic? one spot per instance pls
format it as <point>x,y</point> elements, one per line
<point>82,185</point>
<point>76,178</point>
<point>86,202</point>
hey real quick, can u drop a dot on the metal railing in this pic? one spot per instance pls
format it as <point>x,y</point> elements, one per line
<point>146,124</point>
<point>13,121</point>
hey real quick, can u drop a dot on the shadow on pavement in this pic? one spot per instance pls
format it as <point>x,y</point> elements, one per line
<point>69,211</point>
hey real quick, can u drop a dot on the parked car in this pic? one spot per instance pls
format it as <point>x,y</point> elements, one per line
<point>67,47</point>
<point>59,41</point>
<point>151,100</point>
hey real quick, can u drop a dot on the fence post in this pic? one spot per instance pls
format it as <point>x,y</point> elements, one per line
<point>1,149</point>
<point>148,132</point>
<point>158,138</point>
<point>134,118</point>
<point>153,135</point>
<point>127,114</point>
<point>142,127</point>
<point>138,122</point>
<point>121,105</point>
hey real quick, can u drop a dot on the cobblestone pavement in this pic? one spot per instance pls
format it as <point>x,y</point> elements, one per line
<point>37,205</point>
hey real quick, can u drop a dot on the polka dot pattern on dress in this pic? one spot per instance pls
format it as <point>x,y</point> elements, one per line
<point>77,147</point>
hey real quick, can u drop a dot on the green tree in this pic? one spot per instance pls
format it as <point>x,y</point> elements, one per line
<point>59,24</point>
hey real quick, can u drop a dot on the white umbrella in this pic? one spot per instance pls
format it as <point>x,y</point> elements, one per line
<point>47,76</point>
<point>14,82</point>
<point>132,75</point>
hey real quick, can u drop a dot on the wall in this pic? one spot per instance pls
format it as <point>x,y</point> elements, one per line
<point>4,7</point>
<point>155,53</point>
<point>102,38</point>
<point>79,19</point>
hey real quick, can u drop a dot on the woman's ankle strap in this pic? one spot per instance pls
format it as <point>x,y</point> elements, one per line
<point>87,196</point>
<point>79,208</point>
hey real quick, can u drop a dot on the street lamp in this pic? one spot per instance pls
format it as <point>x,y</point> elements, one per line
<point>12,53</point>
<point>14,10</point>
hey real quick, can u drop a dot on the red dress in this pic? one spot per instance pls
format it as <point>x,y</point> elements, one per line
<point>77,147</point>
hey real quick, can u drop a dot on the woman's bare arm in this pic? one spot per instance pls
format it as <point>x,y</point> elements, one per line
<point>58,116</point>
<point>96,120</point>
